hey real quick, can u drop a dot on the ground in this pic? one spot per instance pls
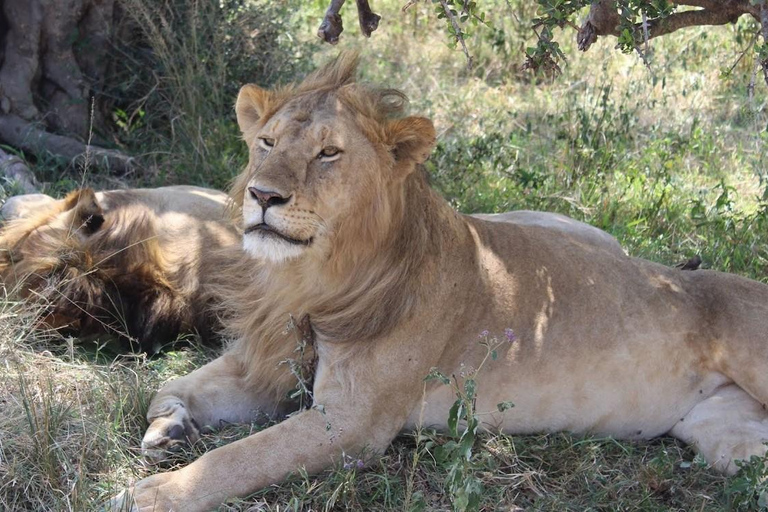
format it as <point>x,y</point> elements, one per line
<point>670,160</point>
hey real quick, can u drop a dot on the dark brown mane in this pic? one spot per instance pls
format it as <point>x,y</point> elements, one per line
<point>112,280</point>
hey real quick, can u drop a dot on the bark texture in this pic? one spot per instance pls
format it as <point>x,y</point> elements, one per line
<point>53,63</point>
<point>603,18</point>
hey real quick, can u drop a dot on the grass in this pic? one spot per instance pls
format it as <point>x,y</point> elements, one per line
<point>671,161</point>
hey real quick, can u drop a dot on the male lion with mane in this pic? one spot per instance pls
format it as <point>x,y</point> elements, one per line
<point>343,229</point>
<point>136,263</point>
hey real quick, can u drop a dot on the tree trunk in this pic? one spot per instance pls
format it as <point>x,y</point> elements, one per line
<point>53,62</point>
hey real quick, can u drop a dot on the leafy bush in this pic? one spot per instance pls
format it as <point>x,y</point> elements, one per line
<point>178,75</point>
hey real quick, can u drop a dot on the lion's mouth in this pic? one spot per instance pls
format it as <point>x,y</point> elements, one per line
<point>270,231</point>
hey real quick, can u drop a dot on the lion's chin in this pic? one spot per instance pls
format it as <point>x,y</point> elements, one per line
<point>271,248</point>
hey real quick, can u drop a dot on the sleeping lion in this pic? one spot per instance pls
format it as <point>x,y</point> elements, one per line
<point>347,238</point>
<point>136,264</point>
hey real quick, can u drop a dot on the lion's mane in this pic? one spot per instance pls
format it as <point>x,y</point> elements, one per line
<point>358,292</point>
<point>102,273</point>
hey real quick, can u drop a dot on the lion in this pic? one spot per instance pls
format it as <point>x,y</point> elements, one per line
<point>137,264</point>
<point>344,234</point>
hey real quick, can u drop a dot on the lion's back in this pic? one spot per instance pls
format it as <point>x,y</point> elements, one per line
<point>557,225</point>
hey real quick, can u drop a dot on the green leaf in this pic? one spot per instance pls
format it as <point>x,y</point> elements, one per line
<point>469,388</point>
<point>504,406</point>
<point>466,444</point>
<point>435,374</point>
<point>453,417</point>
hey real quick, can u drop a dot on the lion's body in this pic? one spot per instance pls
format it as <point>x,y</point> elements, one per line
<point>345,231</point>
<point>134,263</point>
<point>583,316</point>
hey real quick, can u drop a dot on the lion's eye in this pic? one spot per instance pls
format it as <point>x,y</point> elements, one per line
<point>329,153</point>
<point>266,143</point>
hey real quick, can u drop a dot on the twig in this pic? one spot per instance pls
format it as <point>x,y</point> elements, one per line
<point>764,25</point>
<point>408,5</point>
<point>645,31</point>
<point>741,55</point>
<point>457,32</point>
<point>87,162</point>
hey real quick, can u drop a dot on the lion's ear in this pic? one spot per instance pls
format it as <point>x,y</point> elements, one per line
<point>252,103</point>
<point>412,138</point>
<point>87,214</point>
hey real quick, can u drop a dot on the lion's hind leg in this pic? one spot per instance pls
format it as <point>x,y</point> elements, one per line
<point>728,426</point>
<point>214,394</point>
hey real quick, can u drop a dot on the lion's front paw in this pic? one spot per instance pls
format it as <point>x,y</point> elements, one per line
<point>172,428</point>
<point>148,495</point>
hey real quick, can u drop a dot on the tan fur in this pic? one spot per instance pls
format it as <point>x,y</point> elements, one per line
<point>395,282</point>
<point>127,262</point>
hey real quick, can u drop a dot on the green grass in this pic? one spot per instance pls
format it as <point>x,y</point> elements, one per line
<point>672,162</point>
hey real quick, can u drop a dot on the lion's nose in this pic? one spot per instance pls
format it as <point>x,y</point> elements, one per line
<point>267,198</point>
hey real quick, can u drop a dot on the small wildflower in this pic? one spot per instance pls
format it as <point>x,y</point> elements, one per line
<point>510,334</point>
<point>484,334</point>
<point>360,464</point>
<point>347,466</point>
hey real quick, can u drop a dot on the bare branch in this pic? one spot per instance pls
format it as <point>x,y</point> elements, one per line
<point>22,134</point>
<point>331,27</point>
<point>704,4</point>
<point>764,29</point>
<point>744,52</point>
<point>743,6</point>
<point>457,31</point>
<point>603,19</point>
<point>369,20</point>
<point>408,5</point>
<point>675,21</point>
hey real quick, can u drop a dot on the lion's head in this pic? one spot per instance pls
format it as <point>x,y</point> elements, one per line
<point>327,161</point>
<point>328,200</point>
<point>128,262</point>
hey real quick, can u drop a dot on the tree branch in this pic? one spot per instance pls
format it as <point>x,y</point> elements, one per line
<point>457,31</point>
<point>603,18</point>
<point>662,26</point>
<point>331,27</point>
<point>764,31</point>
<point>24,135</point>
<point>369,20</point>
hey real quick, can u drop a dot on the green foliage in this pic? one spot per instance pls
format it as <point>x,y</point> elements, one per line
<point>458,456</point>
<point>630,12</point>
<point>458,15</point>
<point>748,490</point>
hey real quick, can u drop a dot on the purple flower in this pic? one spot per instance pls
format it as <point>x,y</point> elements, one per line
<point>347,465</point>
<point>510,334</point>
<point>484,334</point>
<point>360,464</point>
